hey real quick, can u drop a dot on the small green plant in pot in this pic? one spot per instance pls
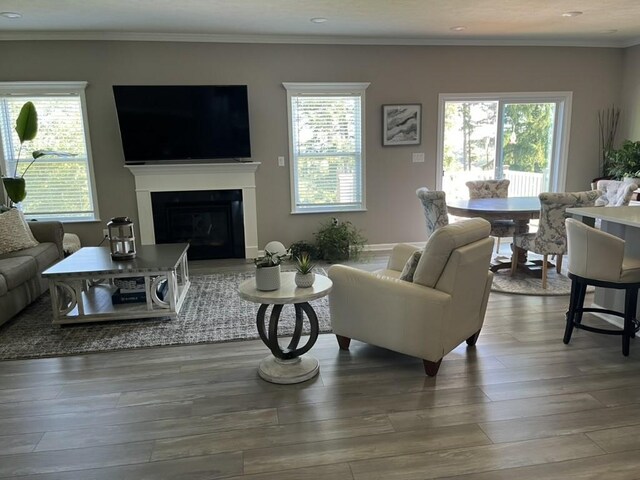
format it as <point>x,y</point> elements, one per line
<point>339,240</point>
<point>304,271</point>
<point>268,270</point>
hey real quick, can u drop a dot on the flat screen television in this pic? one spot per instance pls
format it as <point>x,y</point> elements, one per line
<point>170,123</point>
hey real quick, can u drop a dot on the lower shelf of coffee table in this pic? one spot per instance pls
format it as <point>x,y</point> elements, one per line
<point>98,307</point>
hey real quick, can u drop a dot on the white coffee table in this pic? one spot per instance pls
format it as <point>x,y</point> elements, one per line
<point>287,365</point>
<point>82,284</point>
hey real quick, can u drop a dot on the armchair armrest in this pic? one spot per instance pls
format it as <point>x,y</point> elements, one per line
<point>48,231</point>
<point>388,312</point>
<point>399,256</point>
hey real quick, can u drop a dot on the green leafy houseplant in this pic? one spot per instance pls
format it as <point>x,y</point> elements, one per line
<point>625,161</point>
<point>304,265</point>
<point>270,259</point>
<point>268,270</point>
<point>338,240</point>
<point>301,247</point>
<point>27,129</point>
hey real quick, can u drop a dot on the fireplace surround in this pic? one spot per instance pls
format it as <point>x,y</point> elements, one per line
<point>197,177</point>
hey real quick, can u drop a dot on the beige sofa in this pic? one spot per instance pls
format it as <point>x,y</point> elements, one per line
<point>20,280</point>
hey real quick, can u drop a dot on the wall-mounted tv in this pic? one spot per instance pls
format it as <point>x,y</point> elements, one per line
<point>171,123</point>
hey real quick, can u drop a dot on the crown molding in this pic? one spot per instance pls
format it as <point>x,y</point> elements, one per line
<point>631,43</point>
<point>304,39</point>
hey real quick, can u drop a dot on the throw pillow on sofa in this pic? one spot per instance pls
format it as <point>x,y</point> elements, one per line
<point>15,234</point>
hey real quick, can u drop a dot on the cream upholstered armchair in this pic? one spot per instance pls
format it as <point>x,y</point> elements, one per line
<point>493,189</point>
<point>551,237</point>
<point>441,307</point>
<point>434,203</point>
<point>615,193</point>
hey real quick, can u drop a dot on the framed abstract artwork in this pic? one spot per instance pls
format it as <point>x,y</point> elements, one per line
<point>401,124</point>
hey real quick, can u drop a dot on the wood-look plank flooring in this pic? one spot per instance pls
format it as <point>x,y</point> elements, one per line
<point>520,405</point>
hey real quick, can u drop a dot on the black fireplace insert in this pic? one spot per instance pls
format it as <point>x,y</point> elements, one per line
<point>210,221</point>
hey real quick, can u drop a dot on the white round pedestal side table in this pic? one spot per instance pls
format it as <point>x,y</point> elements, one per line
<point>287,365</point>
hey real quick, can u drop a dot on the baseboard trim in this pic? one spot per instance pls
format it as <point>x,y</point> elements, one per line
<point>375,247</point>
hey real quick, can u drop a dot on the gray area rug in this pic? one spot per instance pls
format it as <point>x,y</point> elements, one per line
<point>526,284</point>
<point>212,312</point>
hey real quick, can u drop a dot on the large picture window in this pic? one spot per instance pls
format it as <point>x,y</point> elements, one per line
<point>326,146</point>
<point>58,187</point>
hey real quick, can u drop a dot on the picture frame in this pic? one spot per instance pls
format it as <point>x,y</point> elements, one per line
<point>402,124</point>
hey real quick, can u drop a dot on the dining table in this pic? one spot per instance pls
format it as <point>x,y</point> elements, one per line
<point>520,210</point>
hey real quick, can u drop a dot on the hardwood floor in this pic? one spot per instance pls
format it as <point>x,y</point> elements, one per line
<point>520,405</point>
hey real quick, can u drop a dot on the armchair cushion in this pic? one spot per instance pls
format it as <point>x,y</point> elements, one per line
<point>440,245</point>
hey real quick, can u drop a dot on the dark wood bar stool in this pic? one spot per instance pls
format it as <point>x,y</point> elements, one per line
<point>597,258</point>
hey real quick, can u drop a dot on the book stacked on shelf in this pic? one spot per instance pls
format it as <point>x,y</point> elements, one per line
<point>131,290</point>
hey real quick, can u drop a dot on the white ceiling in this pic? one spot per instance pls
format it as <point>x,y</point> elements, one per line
<point>498,22</point>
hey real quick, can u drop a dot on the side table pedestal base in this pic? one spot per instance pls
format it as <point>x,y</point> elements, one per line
<point>286,372</point>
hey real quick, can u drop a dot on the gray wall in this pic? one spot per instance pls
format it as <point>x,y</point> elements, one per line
<point>630,127</point>
<point>398,74</point>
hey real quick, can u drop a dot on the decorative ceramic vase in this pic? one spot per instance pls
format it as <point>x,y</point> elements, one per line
<point>268,278</point>
<point>304,280</point>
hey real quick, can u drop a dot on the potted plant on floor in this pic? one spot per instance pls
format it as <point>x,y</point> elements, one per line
<point>339,240</point>
<point>268,270</point>
<point>304,271</point>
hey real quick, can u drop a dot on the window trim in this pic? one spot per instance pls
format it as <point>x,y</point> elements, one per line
<point>560,152</point>
<point>318,89</point>
<point>17,89</point>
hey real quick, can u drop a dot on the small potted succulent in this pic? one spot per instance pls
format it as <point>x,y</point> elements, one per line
<point>304,274</point>
<point>268,270</point>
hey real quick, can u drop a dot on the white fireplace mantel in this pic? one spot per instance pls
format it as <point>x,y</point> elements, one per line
<point>197,176</point>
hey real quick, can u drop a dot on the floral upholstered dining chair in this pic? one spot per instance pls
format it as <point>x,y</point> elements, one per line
<point>493,189</point>
<point>551,237</point>
<point>488,188</point>
<point>615,193</point>
<point>435,208</point>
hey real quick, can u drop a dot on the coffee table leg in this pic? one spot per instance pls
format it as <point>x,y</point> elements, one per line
<point>286,366</point>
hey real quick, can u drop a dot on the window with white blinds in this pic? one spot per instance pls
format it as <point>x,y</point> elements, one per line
<point>326,136</point>
<point>58,187</point>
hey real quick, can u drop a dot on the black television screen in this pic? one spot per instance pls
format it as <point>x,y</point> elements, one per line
<point>165,123</point>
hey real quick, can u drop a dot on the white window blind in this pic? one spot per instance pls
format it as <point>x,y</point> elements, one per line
<point>58,188</point>
<point>327,157</point>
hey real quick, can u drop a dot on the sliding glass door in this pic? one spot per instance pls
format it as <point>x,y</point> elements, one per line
<point>521,137</point>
